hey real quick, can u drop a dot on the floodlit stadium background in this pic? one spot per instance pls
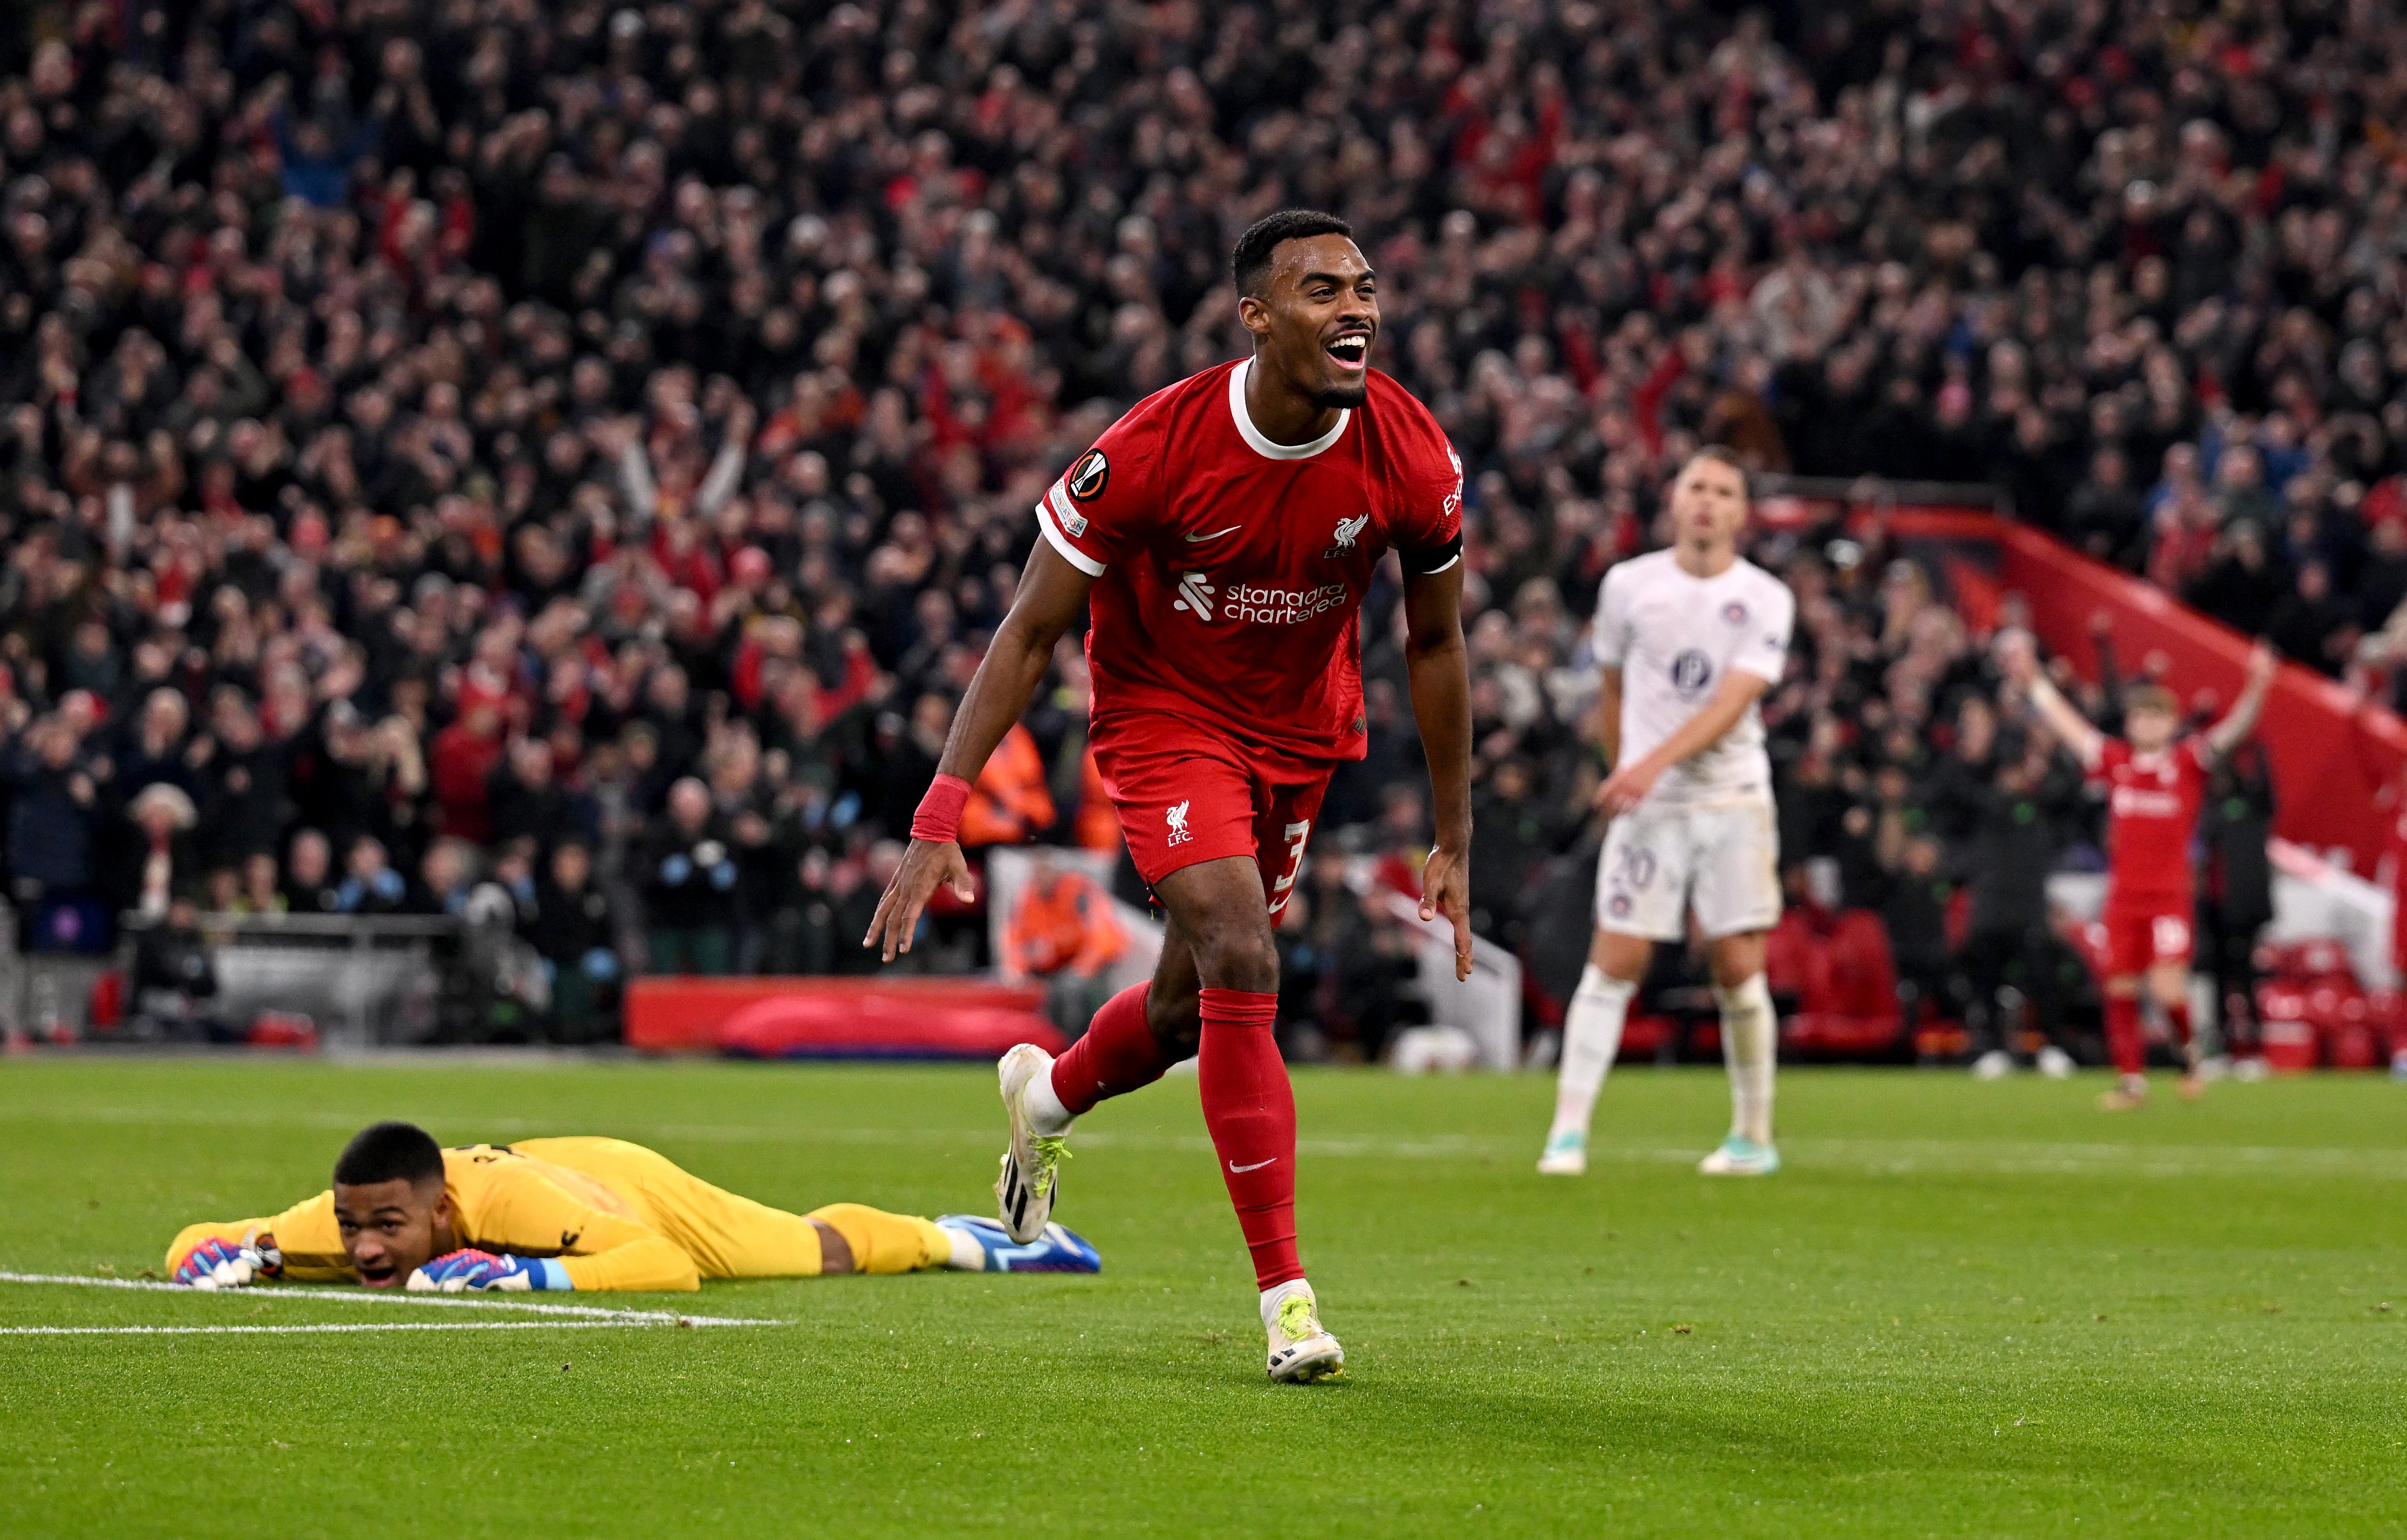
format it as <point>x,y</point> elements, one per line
<point>435,429</point>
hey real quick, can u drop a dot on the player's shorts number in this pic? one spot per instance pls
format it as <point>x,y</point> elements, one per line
<point>1285,887</point>
<point>2171,933</point>
<point>1634,868</point>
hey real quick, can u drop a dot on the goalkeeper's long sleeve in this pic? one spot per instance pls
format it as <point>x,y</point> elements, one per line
<point>305,1233</point>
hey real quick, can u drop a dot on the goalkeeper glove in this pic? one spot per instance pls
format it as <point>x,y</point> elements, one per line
<point>230,1263</point>
<point>457,1272</point>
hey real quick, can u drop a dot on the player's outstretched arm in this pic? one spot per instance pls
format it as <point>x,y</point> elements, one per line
<point>2018,659</point>
<point>1052,595</point>
<point>2234,730</point>
<point>1629,784</point>
<point>1440,671</point>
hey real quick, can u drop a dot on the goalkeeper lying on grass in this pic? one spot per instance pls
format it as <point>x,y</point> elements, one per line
<point>574,1213</point>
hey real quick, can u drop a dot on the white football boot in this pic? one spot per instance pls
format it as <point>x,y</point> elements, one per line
<point>1740,1157</point>
<point>1565,1155</point>
<point>1032,1166</point>
<point>1302,1350</point>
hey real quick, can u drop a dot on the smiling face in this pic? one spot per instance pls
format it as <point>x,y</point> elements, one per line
<point>1316,318</point>
<point>390,1229</point>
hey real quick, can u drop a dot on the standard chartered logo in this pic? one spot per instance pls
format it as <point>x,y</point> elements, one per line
<point>1194,593</point>
<point>1281,606</point>
<point>1253,602</point>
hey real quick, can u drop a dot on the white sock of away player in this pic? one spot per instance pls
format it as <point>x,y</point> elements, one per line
<point>1046,1113</point>
<point>1591,1039</point>
<point>1748,1051</point>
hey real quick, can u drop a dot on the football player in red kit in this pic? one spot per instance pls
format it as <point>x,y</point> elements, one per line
<point>1222,535</point>
<point>2156,783</point>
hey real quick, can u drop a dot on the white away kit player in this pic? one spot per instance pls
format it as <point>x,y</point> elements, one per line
<point>1689,639</point>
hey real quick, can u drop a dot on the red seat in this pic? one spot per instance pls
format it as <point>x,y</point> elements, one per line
<point>1788,953</point>
<point>1848,1007</point>
<point>2288,1038</point>
<point>1641,1036</point>
<point>2317,957</point>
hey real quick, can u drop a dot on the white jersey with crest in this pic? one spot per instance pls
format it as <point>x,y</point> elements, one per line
<point>1673,636</point>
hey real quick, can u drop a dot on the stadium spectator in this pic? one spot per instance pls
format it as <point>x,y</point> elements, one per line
<point>309,887</point>
<point>175,980</point>
<point>1064,931</point>
<point>1009,803</point>
<point>370,885</point>
<point>689,878</point>
<point>574,929</point>
<point>53,822</point>
<point>160,864</point>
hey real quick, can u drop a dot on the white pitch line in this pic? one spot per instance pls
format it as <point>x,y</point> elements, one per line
<point>339,1326</point>
<point>291,1293</point>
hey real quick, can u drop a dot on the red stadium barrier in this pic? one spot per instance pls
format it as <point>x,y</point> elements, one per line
<point>1975,560</point>
<point>863,1016</point>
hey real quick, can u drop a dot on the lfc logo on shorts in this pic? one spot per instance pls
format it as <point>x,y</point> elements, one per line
<point>1175,818</point>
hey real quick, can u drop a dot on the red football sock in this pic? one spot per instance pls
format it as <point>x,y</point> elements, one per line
<point>2123,1037</point>
<point>2177,1016</point>
<point>1250,1109</point>
<point>1117,1053</point>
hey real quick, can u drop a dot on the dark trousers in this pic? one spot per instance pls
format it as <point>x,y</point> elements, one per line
<point>708,951</point>
<point>2226,952</point>
<point>1999,970</point>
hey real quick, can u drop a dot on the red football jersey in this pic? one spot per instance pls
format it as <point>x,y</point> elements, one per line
<point>2152,808</point>
<point>1230,569</point>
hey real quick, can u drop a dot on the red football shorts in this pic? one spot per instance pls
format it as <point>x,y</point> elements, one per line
<point>2143,933</point>
<point>1187,793</point>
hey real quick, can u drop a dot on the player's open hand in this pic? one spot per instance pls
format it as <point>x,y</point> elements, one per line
<point>925,868</point>
<point>1626,787</point>
<point>1446,889</point>
<point>2262,663</point>
<point>2017,657</point>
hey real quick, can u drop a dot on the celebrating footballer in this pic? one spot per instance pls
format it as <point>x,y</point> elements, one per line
<point>1222,536</point>
<point>2155,781</point>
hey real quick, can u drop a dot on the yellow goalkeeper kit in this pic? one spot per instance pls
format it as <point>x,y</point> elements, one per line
<point>619,1216</point>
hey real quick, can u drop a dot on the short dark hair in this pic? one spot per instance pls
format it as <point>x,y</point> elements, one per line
<point>389,1152</point>
<point>1722,454</point>
<point>1251,263</point>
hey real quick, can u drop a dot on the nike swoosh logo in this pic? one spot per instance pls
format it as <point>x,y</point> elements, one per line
<point>1241,1170</point>
<point>1197,540</point>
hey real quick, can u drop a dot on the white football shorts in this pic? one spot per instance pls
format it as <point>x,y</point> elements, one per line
<point>1658,861</point>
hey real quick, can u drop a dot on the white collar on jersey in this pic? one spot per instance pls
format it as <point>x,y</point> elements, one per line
<point>1253,435</point>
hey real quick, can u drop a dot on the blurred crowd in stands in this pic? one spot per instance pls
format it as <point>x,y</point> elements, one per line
<point>578,447</point>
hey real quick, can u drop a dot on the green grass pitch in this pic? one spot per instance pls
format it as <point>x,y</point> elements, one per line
<point>1964,1309</point>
